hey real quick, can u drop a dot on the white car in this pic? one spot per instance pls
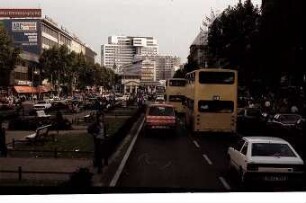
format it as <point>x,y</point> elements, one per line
<point>42,105</point>
<point>265,159</point>
<point>160,99</point>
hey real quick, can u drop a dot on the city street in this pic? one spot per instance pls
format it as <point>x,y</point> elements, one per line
<point>184,162</point>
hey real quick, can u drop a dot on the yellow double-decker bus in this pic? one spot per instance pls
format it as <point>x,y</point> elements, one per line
<point>211,100</point>
<point>175,93</point>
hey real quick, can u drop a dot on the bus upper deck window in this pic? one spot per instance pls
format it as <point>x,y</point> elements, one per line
<point>216,77</point>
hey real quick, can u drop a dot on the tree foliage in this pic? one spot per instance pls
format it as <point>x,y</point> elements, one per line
<point>233,38</point>
<point>69,69</point>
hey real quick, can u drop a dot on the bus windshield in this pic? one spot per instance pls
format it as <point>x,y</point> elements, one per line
<point>177,83</point>
<point>216,77</point>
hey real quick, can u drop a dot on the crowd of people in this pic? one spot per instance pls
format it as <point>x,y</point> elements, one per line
<point>272,103</point>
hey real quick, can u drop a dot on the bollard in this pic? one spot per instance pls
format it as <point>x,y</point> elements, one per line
<point>19,173</point>
<point>55,153</point>
<point>13,143</point>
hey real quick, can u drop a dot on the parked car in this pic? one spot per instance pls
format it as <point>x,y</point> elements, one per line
<point>251,120</point>
<point>268,159</point>
<point>285,120</point>
<point>284,123</point>
<point>42,105</point>
<point>160,117</point>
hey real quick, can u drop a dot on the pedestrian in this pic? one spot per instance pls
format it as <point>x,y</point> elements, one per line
<point>98,131</point>
<point>294,109</point>
<point>3,148</point>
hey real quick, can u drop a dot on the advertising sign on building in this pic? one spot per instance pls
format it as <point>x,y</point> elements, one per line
<point>20,13</point>
<point>25,33</point>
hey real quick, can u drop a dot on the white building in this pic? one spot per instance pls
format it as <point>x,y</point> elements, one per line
<point>121,50</point>
<point>53,35</point>
<point>165,65</point>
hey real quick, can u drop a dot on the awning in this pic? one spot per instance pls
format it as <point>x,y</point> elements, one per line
<point>43,89</point>
<point>31,90</point>
<point>25,89</point>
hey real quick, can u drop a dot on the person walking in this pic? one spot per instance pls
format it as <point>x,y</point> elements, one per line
<point>98,131</point>
<point>3,148</point>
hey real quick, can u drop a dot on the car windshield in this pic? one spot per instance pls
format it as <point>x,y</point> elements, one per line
<point>161,111</point>
<point>272,149</point>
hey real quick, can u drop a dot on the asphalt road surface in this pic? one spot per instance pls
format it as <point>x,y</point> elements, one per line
<point>169,162</point>
<point>187,163</point>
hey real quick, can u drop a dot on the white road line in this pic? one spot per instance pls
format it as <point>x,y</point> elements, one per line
<point>225,184</point>
<point>207,159</point>
<point>196,144</point>
<point>125,158</point>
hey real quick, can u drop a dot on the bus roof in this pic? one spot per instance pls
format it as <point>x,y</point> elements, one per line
<point>213,70</point>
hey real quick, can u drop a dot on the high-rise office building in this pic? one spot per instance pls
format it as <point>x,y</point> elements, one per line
<point>120,50</point>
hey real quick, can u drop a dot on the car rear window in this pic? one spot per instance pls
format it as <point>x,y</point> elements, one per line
<point>176,98</point>
<point>161,111</point>
<point>272,149</point>
<point>41,102</point>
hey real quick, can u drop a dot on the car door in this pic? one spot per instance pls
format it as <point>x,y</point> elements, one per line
<point>234,153</point>
<point>242,156</point>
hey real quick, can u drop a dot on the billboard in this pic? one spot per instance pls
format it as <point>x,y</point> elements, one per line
<point>20,13</point>
<point>25,33</point>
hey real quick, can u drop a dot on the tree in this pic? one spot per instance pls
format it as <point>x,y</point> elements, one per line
<point>9,57</point>
<point>232,39</point>
<point>60,66</point>
<point>282,31</point>
<point>179,74</point>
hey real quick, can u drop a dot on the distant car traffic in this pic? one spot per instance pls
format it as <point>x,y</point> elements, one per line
<point>160,117</point>
<point>42,105</point>
<point>268,159</point>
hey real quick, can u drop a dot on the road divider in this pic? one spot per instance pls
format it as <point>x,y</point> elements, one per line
<point>196,144</point>
<point>224,183</point>
<point>207,159</point>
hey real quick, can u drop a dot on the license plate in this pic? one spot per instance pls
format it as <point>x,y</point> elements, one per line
<point>160,127</point>
<point>275,178</point>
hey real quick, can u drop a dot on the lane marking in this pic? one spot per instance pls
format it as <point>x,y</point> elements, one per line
<point>207,159</point>
<point>224,183</point>
<point>125,158</point>
<point>196,144</point>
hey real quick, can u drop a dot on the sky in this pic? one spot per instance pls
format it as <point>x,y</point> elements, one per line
<point>174,23</point>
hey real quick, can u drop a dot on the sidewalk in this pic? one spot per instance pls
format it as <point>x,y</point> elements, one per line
<point>58,169</point>
<point>46,169</point>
